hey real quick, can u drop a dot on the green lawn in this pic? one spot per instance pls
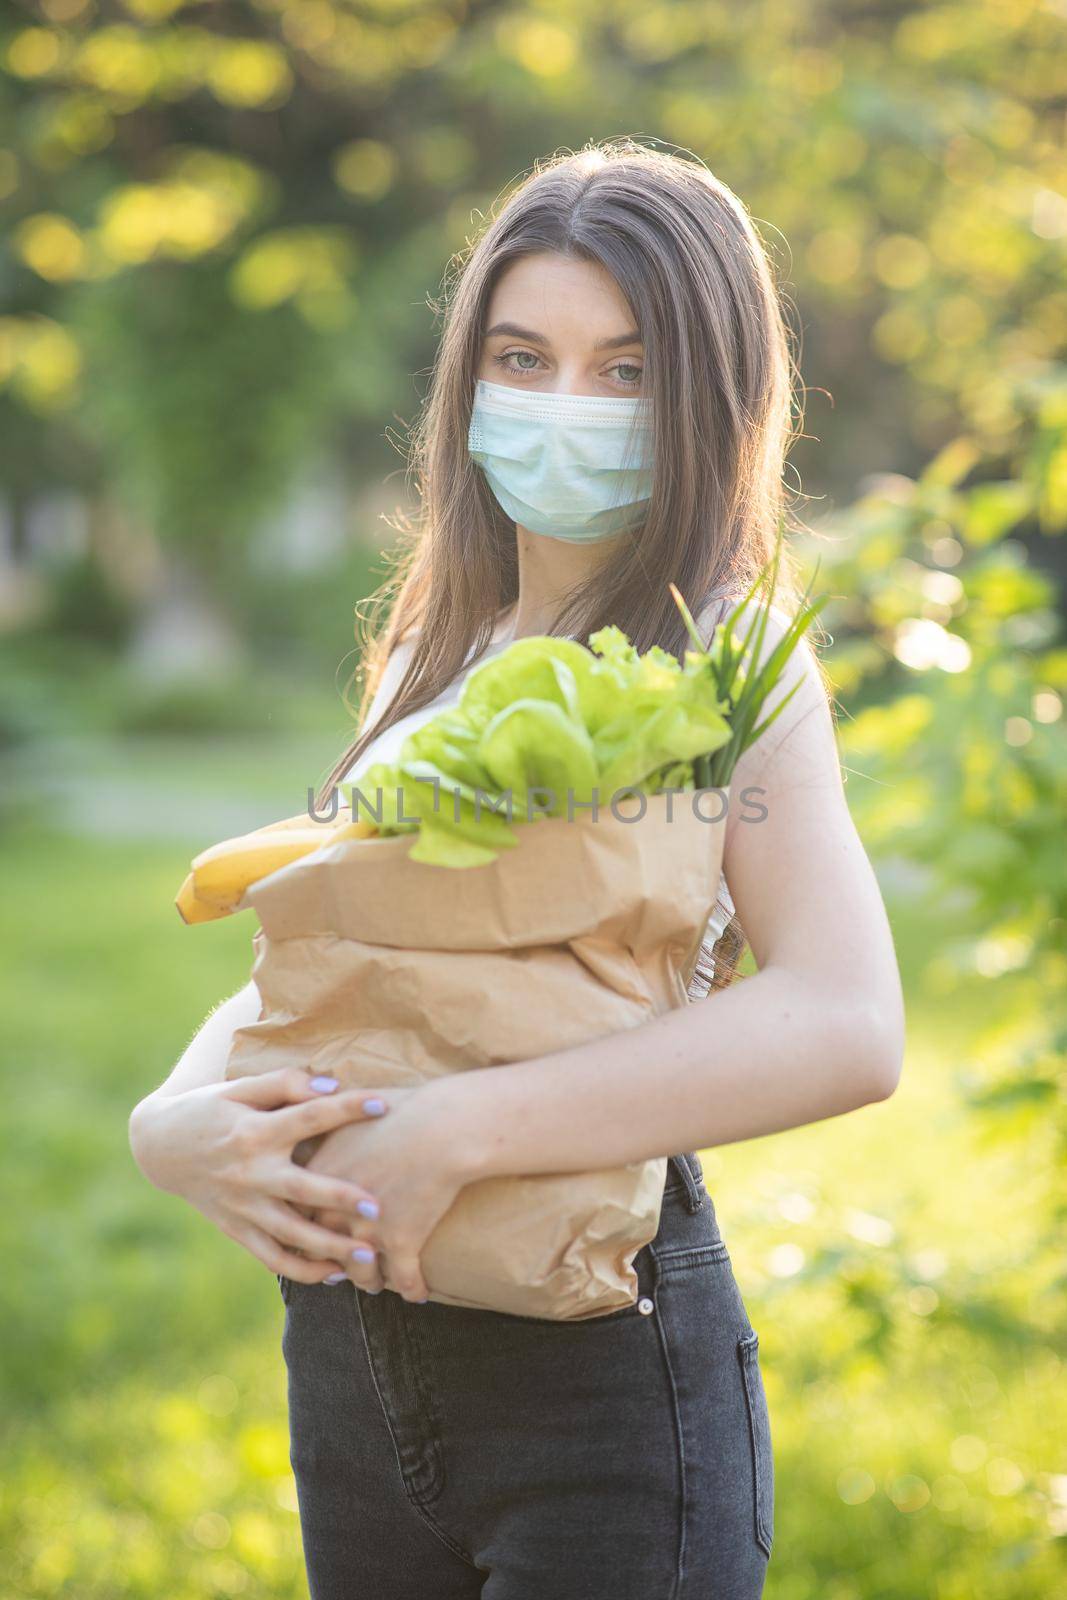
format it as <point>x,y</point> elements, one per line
<point>885,1259</point>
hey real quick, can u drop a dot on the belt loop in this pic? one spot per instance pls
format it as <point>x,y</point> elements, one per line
<point>687,1169</point>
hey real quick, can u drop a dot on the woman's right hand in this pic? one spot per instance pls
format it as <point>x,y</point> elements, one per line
<point>228,1147</point>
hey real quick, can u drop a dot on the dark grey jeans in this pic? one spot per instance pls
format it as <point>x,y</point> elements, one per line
<point>444,1453</point>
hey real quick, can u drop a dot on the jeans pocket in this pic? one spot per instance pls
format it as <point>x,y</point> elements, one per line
<point>760,1432</point>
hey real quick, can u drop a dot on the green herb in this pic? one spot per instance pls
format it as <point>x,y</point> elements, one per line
<point>742,683</point>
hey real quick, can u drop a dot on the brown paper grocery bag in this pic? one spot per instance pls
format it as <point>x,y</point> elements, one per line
<point>386,971</point>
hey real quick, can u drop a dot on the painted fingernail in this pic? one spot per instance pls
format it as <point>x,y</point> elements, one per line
<point>324,1084</point>
<point>361,1253</point>
<point>336,1277</point>
<point>374,1107</point>
<point>368,1208</point>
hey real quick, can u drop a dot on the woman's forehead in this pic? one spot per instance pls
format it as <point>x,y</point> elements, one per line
<point>553,295</point>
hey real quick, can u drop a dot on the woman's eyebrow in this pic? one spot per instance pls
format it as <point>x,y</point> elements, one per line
<point>515,332</point>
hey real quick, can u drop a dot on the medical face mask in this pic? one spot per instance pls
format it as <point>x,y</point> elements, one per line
<point>570,466</point>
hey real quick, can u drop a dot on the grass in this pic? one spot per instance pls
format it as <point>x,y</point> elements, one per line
<point>885,1258</point>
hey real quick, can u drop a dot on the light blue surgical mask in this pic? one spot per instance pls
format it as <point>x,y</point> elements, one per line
<point>571,466</point>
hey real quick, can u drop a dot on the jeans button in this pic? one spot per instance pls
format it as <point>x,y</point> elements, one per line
<point>646,1306</point>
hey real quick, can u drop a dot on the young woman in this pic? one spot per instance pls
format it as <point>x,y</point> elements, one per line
<point>610,411</point>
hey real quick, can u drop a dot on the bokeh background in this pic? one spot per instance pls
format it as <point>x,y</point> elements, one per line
<point>226,224</point>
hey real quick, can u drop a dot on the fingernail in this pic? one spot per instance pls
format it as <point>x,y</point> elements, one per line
<point>336,1277</point>
<point>423,1301</point>
<point>324,1084</point>
<point>361,1253</point>
<point>368,1208</point>
<point>374,1107</point>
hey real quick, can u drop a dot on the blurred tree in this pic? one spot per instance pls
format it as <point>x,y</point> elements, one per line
<point>307,166</point>
<point>952,645</point>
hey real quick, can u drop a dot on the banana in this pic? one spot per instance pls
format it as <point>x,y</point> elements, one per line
<point>219,876</point>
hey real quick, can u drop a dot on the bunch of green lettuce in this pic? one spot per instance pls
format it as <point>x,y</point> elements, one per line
<point>538,728</point>
<point>546,723</point>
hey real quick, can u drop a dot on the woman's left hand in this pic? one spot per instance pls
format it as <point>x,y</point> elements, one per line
<point>415,1161</point>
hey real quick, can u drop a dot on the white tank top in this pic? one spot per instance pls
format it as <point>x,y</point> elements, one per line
<point>386,747</point>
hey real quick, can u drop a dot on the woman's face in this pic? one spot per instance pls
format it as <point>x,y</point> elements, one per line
<point>561,326</point>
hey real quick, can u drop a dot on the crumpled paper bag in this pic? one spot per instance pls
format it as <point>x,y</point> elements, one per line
<point>386,971</point>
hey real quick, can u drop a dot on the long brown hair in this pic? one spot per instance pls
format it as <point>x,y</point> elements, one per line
<point>686,255</point>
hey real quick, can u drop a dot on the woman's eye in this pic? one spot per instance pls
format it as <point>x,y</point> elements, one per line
<point>510,355</point>
<point>627,373</point>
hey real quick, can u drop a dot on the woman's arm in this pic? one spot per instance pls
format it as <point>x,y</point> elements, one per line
<point>817,1031</point>
<point>226,1146</point>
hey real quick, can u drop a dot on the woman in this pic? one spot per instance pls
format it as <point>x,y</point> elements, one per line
<point>443,1451</point>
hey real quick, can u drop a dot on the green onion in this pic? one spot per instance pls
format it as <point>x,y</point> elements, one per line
<point>742,687</point>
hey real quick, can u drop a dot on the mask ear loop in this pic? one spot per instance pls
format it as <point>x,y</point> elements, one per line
<point>639,450</point>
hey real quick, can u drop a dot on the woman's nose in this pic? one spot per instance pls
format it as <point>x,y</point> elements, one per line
<point>576,383</point>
